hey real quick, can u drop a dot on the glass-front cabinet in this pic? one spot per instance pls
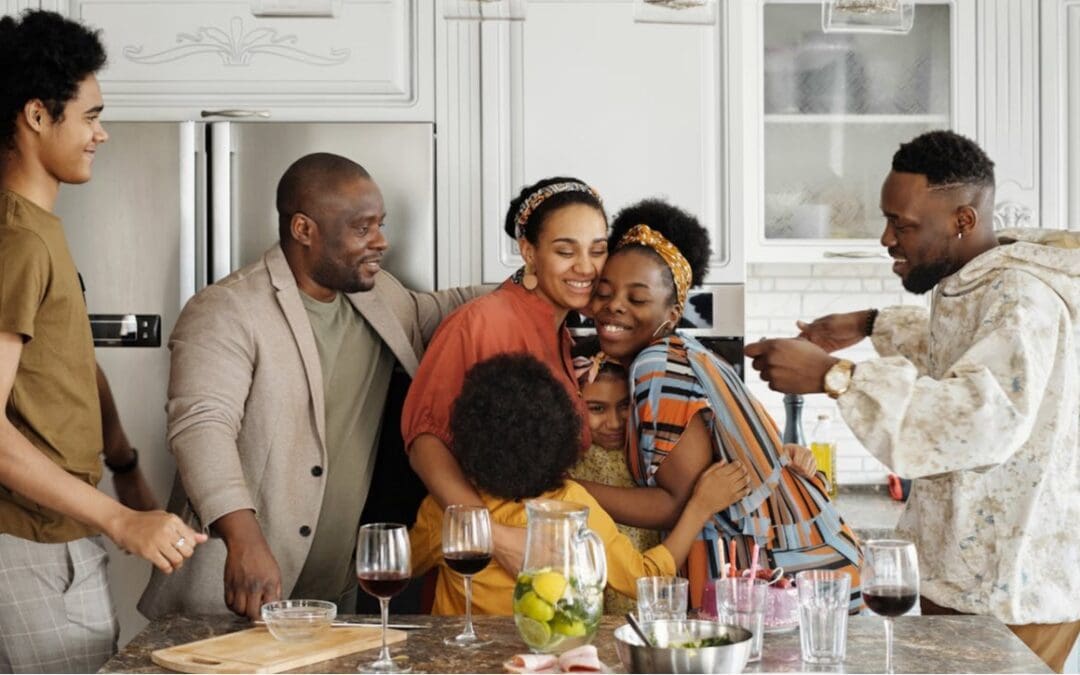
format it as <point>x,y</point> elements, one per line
<point>825,111</point>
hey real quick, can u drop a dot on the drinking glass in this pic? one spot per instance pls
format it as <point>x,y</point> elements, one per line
<point>662,598</point>
<point>383,570</point>
<point>890,583</point>
<point>824,603</point>
<point>467,549</point>
<point>741,601</point>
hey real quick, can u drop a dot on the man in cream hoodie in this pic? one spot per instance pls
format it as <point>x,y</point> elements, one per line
<point>979,399</point>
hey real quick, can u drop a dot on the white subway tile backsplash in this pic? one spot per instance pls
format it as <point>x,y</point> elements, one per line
<point>768,305</point>
<point>820,304</point>
<point>777,295</point>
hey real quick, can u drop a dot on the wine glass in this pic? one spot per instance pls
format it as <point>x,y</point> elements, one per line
<point>890,583</point>
<point>383,570</point>
<point>467,549</point>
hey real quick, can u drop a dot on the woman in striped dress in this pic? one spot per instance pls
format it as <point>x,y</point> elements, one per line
<point>690,409</point>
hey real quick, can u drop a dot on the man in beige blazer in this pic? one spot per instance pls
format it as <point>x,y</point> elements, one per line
<point>279,380</point>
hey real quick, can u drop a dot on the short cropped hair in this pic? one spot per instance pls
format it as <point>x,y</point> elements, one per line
<point>946,159</point>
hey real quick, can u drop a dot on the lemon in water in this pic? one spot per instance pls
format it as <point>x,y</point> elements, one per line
<point>536,634</point>
<point>549,586</point>
<point>530,605</point>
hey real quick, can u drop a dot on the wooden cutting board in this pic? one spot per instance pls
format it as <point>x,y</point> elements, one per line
<point>257,651</point>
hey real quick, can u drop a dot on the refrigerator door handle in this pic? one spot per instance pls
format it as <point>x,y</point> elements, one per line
<point>188,207</point>
<point>221,207</point>
<point>236,113</point>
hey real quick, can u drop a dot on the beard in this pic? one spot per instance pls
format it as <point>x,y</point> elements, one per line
<point>335,275</point>
<point>923,278</point>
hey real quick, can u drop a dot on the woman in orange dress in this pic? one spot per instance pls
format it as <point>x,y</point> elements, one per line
<point>561,229</point>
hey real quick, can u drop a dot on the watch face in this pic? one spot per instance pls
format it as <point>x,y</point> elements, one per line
<point>837,379</point>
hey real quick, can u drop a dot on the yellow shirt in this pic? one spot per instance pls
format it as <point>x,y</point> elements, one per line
<point>493,588</point>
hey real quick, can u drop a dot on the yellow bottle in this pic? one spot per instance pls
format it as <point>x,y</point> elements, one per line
<point>823,445</point>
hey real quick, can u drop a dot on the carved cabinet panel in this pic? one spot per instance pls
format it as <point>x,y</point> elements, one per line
<point>352,59</point>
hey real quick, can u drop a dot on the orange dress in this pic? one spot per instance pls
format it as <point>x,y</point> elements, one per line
<point>508,320</point>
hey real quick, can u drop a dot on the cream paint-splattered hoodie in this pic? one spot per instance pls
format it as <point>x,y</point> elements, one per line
<point>980,401</point>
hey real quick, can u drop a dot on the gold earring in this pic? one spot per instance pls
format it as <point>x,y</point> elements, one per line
<point>529,280</point>
<point>662,327</point>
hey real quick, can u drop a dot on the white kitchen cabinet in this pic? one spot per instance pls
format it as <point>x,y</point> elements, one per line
<point>173,59</point>
<point>1060,77</point>
<point>635,109</point>
<point>14,7</point>
<point>1007,52</point>
<point>824,113</point>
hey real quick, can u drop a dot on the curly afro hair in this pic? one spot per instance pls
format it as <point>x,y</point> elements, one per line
<point>945,158</point>
<point>516,432</point>
<point>44,56</point>
<point>535,222</point>
<point>678,226</point>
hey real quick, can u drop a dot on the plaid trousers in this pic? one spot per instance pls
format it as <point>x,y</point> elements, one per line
<point>56,613</point>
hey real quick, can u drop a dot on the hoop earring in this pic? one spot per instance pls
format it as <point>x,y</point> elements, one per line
<point>661,328</point>
<point>528,280</point>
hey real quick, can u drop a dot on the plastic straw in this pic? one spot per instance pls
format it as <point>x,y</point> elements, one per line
<point>734,565</point>
<point>754,561</point>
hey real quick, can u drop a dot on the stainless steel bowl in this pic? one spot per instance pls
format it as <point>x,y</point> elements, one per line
<point>637,658</point>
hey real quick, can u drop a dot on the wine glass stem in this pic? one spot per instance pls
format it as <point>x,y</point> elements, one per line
<point>468,607</point>
<point>384,606</point>
<point>888,645</point>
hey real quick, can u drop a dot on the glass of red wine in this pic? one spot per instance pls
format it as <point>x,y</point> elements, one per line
<point>890,583</point>
<point>467,548</point>
<point>383,570</point>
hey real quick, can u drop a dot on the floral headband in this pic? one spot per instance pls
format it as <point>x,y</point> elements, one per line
<point>537,198</point>
<point>643,235</point>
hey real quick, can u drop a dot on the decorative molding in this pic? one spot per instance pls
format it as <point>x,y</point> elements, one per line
<point>458,149</point>
<point>1008,59</point>
<point>236,47</point>
<point>1010,215</point>
<point>17,6</point>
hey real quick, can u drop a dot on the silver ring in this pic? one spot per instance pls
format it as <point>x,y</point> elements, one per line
<point>180,542</point>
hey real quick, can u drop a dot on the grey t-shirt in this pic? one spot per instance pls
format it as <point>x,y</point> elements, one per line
<point>356,368</point>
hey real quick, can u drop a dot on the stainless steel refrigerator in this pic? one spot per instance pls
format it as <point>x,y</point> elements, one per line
<point>174,206</point>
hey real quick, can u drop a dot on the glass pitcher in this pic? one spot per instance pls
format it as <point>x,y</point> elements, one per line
<point>559,596</point>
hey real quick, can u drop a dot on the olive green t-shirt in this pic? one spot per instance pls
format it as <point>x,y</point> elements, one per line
<point>54,399</point>
<point>356,368</point>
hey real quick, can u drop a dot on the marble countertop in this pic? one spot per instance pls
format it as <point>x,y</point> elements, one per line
<point>931,644</point>
<point>869,509</point>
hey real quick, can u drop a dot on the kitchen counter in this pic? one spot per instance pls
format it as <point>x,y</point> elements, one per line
<point>931,644</point>
<point>869,509</point>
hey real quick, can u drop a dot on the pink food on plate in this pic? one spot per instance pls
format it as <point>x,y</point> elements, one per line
<point>581,659</point>
<point>532,663</point>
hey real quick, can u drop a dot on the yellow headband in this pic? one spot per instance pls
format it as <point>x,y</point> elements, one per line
<point>644,235</point>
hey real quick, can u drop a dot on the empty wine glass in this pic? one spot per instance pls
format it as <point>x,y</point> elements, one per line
<point>890,583</point>
<point>467,549</point>
<point>383,570</point>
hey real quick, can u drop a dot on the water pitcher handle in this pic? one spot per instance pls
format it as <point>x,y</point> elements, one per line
<point>594,548</point>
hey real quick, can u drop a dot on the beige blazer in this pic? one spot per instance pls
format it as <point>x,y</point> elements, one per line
<point>246,414</point>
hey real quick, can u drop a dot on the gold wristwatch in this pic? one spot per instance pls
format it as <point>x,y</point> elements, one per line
<point>838,378</point>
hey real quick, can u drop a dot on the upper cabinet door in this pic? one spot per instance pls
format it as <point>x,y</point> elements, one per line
<point>830,111</point>
<point>174,59</point>
<point>14,7</point>
<point>634,109</point>
<point>1060,114</point>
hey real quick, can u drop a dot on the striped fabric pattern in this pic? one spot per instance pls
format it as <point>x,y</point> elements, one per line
<point>789,516</point>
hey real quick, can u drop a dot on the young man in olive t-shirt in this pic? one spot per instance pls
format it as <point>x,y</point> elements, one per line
<point>55,610</point>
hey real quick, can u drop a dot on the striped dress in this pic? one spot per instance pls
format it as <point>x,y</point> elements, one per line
<point>789,516</point>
